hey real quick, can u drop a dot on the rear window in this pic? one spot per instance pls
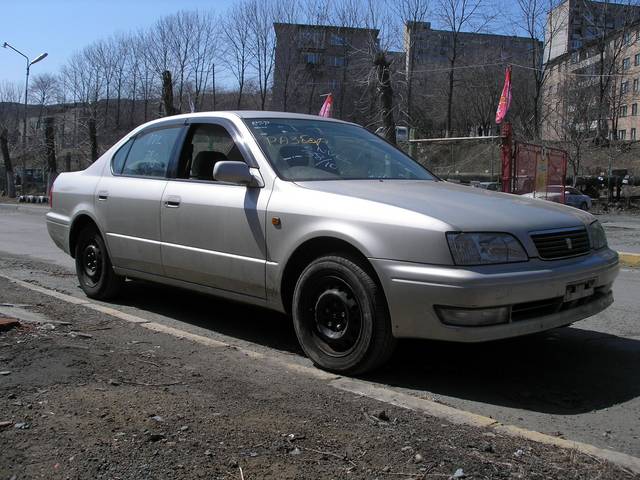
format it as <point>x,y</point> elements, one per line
<point>117,161</point>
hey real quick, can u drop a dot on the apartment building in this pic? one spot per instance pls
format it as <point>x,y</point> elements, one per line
<point>314,60</point>
<point>481,59</point>
<point>426,46</point>
<point>575,23</point>
<point>595,87</point>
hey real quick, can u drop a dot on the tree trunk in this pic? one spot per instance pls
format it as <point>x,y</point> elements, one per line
<point>93,139</point>
<point>450,97</point>
<point>4,149</point>
<point>240,89</point>
<point>167,94</point>
<point>385,95</point>
<point>50,152</point>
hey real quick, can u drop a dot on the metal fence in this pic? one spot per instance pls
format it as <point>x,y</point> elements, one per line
<point>539,171</point>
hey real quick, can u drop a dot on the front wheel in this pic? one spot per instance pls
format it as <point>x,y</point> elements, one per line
<point>341,317</point>
<point>93,266</point>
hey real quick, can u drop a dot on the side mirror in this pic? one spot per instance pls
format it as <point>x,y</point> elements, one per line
<point>234,172</point>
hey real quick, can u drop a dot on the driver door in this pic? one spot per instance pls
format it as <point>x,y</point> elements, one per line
<point>213,233</point>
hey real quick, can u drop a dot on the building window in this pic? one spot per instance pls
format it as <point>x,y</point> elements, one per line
<point>627,38</point>
<point>622,134</point>
<point>635,84</point>
<point>636,59</point>
<point>333,85</point>
<point>337,40</point>
<point>634,109</point>
<point>311,37</point>
<point>633,134</point>
<point>623,111</point>
<point>311,58</point>
<point>624,88</point>
<point>626,63</point>
<point>336,61</point>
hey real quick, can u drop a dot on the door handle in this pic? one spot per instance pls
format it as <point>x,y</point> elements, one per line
<point>172,202</point>
<point>103,195</point>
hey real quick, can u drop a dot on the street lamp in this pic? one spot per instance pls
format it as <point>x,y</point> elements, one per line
<point>26,90</point>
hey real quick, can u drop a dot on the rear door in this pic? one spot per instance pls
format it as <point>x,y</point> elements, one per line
<point>128,198</point>
<point>212,232</point>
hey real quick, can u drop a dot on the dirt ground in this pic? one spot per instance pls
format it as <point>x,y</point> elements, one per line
<point>85,395</point>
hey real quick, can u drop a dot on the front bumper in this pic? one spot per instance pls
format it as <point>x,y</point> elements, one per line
<point>413,290</point>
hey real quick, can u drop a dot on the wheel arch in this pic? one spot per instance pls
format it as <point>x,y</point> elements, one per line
<point>314,248</point>
<point>79,222</point>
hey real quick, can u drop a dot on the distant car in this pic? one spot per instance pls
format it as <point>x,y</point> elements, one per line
<point>325,221</point>
<point>493,186</point>
<point>572,196</point>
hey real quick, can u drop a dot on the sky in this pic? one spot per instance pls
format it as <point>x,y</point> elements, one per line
<point>60,27</point>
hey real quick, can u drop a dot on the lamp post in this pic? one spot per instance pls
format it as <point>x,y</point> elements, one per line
<point>26,91</point>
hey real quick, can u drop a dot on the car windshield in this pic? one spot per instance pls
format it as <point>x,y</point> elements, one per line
<point>304,150</point>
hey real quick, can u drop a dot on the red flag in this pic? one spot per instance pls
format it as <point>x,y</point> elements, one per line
<point>505,98</point>
<point>325,111</point>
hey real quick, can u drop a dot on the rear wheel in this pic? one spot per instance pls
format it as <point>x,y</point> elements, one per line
<point>93,266</point>
<point>584,206</point>
<point>341,317</point>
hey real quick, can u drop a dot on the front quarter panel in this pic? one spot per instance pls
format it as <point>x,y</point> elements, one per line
<point>376,230</point>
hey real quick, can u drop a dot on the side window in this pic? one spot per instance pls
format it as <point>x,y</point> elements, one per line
<point>206,145</point>
<point>117,161</point>
<point>150,153</point>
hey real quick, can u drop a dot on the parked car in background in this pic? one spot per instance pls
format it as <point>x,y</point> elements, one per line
<point>493,186</point>
<point>326,222</point>
<point>572,196</point>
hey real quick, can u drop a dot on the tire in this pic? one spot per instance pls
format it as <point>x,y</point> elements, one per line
<point>93,266</point>
<point>341,317</point>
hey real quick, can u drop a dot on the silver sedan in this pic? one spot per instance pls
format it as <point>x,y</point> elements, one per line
<point>325,221</point>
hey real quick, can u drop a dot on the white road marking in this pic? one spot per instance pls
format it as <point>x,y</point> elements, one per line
<point>358,387</point>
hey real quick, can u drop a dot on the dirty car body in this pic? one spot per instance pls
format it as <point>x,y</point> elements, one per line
<point>323,220</point>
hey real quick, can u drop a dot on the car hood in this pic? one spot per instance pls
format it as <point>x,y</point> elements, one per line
<point>460,207</point>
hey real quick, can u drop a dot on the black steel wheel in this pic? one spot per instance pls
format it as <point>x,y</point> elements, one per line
<point>340,316</point>
<point>93,266</point>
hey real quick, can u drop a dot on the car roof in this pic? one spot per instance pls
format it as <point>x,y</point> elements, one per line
<point>253,114</point>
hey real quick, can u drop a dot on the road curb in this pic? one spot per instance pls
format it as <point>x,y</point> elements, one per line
<point>463,417</point>
<point>629,259</point>
<point>361,387</point>
<point>25,208</point>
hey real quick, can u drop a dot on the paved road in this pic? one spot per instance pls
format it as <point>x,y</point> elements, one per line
<point>623,231</point>
<point>582,383</point>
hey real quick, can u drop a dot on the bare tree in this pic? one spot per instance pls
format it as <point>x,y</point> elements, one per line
<point>610,51</point>
<point>412,13</point>
<point>385,94</point>
<point>532,18</point>
<point>237,55</point>
<point>43,91</point>
<point>10,97</point>
<point>458,16</point>
<point>261,15</point>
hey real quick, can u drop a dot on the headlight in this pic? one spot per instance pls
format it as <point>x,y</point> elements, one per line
<point>485,248</point>
<point>597,235</point>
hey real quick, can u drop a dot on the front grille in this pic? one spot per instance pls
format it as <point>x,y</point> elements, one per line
<point>562,244</point>
<point>549,306</point>
<point>539,308</point>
